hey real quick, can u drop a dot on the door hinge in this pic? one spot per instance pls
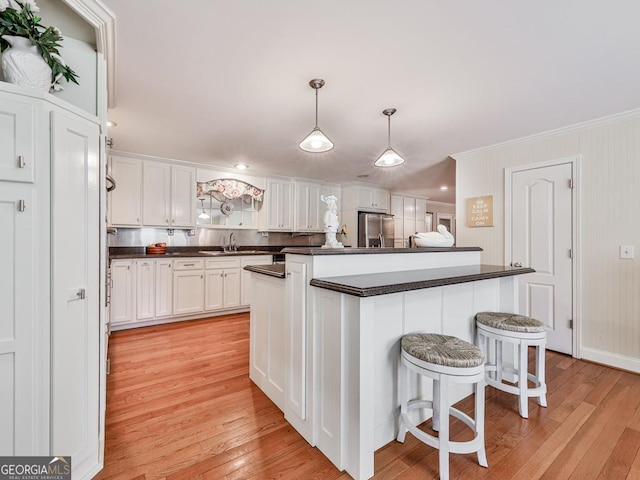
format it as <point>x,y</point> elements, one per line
<point>571,324</point>
<point>108,366</point>
<point>571,183</point>
<point>571,253</point>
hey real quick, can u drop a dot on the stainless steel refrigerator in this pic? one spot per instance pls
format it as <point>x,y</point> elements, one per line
<point>375,229</point>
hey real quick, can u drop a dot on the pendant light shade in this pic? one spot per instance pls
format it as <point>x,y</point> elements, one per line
<point>316,141</point>
<point>389,158</point>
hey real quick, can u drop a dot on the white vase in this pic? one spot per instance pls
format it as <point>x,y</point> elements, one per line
<point>22,64</point>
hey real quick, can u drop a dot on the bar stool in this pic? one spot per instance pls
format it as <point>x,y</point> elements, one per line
<point>495,328</point>
<point>446,360</point>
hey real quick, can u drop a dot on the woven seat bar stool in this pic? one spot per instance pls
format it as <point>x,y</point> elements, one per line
<point>446,360</point>
<point>495,328</point>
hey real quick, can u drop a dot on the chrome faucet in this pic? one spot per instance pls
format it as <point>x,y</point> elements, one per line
<point>381,239</point>
<point>232,242</point>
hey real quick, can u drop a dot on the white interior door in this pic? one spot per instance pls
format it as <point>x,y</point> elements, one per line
<point>541,238</point>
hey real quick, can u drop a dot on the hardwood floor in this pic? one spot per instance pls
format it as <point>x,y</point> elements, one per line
<point>180,405</point>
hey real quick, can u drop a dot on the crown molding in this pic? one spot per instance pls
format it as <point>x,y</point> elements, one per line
<point>103,20</point>
<point>598,122</point>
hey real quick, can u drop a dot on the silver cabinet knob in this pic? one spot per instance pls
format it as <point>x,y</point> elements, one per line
<point>517,264</point>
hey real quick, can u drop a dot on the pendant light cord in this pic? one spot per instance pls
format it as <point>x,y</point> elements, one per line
<point>316,108</point>
<point>389,132</point>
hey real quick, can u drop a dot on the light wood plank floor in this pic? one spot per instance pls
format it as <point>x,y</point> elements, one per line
<point>180,405</point>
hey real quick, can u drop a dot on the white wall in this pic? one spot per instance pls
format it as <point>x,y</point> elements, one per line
<point>610,217</point>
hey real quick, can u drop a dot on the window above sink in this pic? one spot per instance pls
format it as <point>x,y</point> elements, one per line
<point>228,203</point>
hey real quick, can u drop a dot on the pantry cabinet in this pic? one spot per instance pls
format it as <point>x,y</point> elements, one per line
<point>17,139</point>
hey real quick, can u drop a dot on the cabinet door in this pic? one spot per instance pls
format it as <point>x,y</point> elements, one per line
<point>365,197</point>
<point>18,379</point>
<point>125,201</point>
<point>397,207</point>
<point>296,397</point>
<point>183,196</point>
<point>301,221</point>
<point>145,289</point>
<point>409,229</point>
<point>17,140</point>
<point>285,204</point>
<point>156,194</point>
<point>122,291</point>
<point>409,208</point>
<point>213,286</point>
<point>188,292</point>
<point>380,199</point>
<point>421,208</point>
<point>164,286</point>
<point>316,207</point>
<point>231,290</point>
<point>75,301</point>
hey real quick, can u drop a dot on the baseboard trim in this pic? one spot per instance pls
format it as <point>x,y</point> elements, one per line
<point>610,359</point>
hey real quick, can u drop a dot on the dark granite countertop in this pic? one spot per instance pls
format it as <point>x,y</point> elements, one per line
<point>361,250</point>
<point>276,270</point>
<point>369,285</point>
<point>177,252</point>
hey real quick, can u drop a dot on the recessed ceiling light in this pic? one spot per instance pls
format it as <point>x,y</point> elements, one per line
<point>444,187</point>
<point>366,175</point>
<point>241,166</point>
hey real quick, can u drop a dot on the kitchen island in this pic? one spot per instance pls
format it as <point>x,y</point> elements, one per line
<point>344,313</point>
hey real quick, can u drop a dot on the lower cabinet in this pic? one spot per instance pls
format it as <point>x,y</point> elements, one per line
<point>222,283</point>
<point>144,290</point>
<point>267,359</point>
<point>188,292</point>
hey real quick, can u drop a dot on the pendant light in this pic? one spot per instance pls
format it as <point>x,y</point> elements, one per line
<point>316,141</point>
<point>204,215</point>
<point>389,158</point>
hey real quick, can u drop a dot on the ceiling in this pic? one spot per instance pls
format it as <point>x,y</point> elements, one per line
<point>223,82</point>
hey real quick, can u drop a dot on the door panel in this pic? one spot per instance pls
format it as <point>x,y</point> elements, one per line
<point>75,329</point>
<point>541,238</point>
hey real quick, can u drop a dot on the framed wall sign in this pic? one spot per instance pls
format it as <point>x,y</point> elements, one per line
<point>480,211</point>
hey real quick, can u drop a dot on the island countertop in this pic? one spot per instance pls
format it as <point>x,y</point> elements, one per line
<point>376,250</point>
<point>368,285</point>
<point>275,270</point>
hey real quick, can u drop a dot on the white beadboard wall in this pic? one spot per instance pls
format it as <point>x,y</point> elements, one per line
<point>610,217</point>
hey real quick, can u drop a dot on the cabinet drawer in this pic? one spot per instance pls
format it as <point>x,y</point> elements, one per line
<point>223,263</point>
<point>188,264</point>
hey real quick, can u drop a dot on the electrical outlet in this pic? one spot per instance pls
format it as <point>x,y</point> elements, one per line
<point>626,251</point>
<point>170,232</point>
<point>191,232</point>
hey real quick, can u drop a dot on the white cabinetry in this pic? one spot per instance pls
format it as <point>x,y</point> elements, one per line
<point>156,199</point>
<point>150,193</point>
<point>188,286</point>
<point>17,140</point>
<point>409,217</point>
<point>145,289</point>
<point>18,428</point>
<point>164,288</point>
<point>122,291</point>
<point>245,276</point>
<point>125,200</point>
<point>279,213</point>
<point>307,207</point>
<point>267,364</point>
<point>372,199</point>
<point>222,283</point>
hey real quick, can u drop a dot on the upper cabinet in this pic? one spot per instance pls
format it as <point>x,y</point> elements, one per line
<point>125,202</point>
<point>279,212</point>
<point>17,140</point>
<point>366,198</point>
<point>309,208</point>
<point>150,193</point>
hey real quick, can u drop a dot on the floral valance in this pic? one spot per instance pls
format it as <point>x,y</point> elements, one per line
<point>228,188</point>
